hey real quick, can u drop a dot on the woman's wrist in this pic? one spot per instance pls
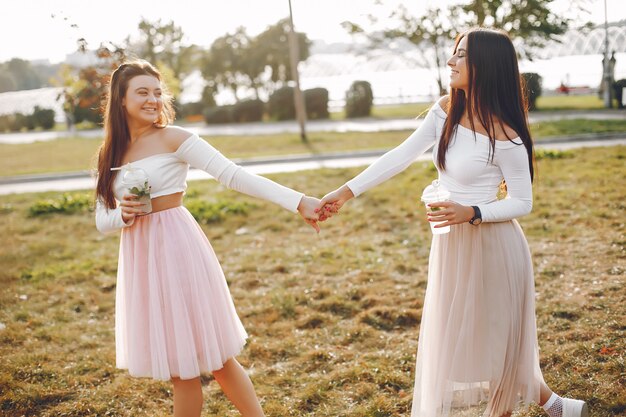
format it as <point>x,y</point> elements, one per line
<point>346,193</point>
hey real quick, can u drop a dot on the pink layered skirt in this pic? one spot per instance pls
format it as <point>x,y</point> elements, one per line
<point>174,316</point>
<point>477,349</point>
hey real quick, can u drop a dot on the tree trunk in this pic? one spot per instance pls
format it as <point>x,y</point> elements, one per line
<point>442,91</point>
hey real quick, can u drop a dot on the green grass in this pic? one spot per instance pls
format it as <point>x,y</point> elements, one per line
<point>399,111</point>
<point>76,154</point>
<point>333,318</point>
<point>573,102</point>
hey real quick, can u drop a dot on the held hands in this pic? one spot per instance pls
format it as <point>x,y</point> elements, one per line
<point>333,201</point>
<point>447,212</point>
<point>308,210</point>
<point>130,207</point>
<point>450,213</point>
<point>313,210</point>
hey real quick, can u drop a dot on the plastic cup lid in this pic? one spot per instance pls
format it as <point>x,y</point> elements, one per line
<point>133,174</point>
<point>435,192</point>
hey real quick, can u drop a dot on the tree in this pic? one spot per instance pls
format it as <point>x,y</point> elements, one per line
<point>7,83</point>
<point>163,43</point>
<point>236,60</point>
<point>223,65</point>
<point>84,90</point>
<point>18,74</point>
<point>273,47</point>
<point>530,21</point>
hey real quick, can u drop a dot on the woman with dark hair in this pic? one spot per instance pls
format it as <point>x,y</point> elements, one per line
<point>477,350</point>
<point>174,316</point>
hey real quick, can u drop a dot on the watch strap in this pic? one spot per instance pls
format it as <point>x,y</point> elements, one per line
<point>477,215</point>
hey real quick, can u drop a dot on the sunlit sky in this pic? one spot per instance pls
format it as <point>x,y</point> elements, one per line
<point>43,29</point>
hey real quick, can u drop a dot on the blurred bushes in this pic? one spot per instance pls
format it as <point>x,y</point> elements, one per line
<point>248,111</point>
<point>43,118</point>
<point>211,212</point>
<point>65,204</point>
<point>316,103</point>
<point>618,89</point>
<point>281,104</point>
<point>218,114</point>
<point>359,99</point>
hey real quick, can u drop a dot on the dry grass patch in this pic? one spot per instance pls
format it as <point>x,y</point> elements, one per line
<point>333,318</point>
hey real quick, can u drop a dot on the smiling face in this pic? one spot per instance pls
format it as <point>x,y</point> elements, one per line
<point>143,100</point>
<point>459,73</point>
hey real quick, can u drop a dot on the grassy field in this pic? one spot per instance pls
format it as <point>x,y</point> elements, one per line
<point>333,318</point>
<point>398,111</point>
<point>76,154</point>
<point>573,102</point>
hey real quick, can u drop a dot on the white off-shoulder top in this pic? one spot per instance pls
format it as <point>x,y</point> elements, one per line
<point>470,176</point>
<point>167,173</point>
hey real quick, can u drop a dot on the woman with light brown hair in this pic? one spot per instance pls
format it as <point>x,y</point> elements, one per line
<point>477,351</point>
<point>174,316</point>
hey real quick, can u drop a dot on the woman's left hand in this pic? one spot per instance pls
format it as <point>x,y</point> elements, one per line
<point>450,212</point>
<point>308,210</point>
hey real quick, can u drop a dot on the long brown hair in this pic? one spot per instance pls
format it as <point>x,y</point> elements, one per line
<point>495,93</point>
<point>116,133</point>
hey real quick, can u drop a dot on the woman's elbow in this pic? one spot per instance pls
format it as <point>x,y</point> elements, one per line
<point>527,207</point>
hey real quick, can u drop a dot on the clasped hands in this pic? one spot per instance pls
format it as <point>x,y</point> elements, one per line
<point>314,210</point>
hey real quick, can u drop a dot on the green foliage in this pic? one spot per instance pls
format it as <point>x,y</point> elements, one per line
<point>7,83</point>
<point>618,88</point>
<point>219,114</point>
<point>359,99</point>
<point>85,89</point>
<point>316,103</point>
<point>238,60</point>
<point>198,108</point>
<point>29,122</point>
<point>141,191</point>
<point>18,74</point>
<point>65,204</point>
<point>227,62</point>
<point>248,111</point>
<point>214,212</point>
<point>534,21</point>
<point>272,48</point>
<point>532,85</point>
<point>281,104</point>
<point>552,154</point>
<point>17,122</point>
<point>162,44</point>
<point>44,118</point>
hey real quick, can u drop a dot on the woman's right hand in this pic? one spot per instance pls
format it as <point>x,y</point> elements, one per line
<point>130,207</point>
<point>332,202</point>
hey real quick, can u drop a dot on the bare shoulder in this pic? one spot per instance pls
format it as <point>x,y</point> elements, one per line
<point>174,136</point>
<point>443,103</point>
<point>505,133</point>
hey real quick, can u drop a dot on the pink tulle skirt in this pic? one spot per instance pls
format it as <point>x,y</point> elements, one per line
<point>477,350</point>
<point>174,316</point>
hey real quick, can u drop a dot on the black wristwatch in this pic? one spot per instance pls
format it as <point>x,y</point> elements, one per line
<point>478,218</point>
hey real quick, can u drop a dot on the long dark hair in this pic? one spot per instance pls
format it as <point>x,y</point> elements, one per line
<point>495,93</point>
<point>116,133</point>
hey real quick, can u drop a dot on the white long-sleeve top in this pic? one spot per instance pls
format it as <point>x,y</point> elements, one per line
<point>470,176</point>
<point>167,174</point>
